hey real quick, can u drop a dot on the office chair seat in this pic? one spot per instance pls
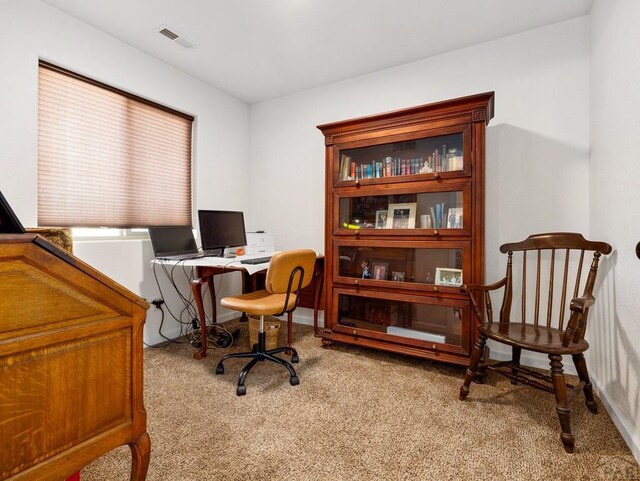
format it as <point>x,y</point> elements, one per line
<point>260,302</point>
<point>289,272</point>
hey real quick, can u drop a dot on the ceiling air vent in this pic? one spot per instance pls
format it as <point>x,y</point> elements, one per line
<point>176,37</point>
<point>168,33</point>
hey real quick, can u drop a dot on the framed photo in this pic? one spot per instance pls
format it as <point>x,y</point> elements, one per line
<point>397,276</point>
<point>448,277</point>
<point>379,270</point>
<point>381,219</point>
<point>454,218</point>
<point>401,216</point>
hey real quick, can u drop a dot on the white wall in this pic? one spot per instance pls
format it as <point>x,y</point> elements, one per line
<point>33,30</point>
<point>614,357</point>
<point>537,144</point>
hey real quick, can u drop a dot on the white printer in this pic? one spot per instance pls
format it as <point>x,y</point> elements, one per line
<point>260,243</point>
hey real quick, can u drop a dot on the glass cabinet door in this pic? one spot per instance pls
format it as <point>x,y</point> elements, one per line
<point>433,322</point>
<point>417,266</point>
<point>401,212</point>
<point>435,155</point>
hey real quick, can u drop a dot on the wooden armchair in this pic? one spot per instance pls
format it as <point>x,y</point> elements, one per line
<point>545,257</point>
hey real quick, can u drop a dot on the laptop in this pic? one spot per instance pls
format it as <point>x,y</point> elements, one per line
<point>9,223</point>
<point>173,242</point>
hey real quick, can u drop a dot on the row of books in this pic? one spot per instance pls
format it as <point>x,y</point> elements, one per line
<point>440,161</point>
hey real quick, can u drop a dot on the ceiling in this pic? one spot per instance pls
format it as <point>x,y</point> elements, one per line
<point>261,49</point>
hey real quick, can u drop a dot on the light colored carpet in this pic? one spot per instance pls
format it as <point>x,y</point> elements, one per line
<point>357,414</point>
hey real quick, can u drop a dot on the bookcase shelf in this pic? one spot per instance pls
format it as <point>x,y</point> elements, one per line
<point>404,227</point>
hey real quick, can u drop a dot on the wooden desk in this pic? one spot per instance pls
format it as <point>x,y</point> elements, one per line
<point>252,279</point>
<point>70,364</point>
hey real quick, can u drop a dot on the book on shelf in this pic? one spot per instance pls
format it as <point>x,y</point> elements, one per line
<point>438,215</point>
<point>345,162</point>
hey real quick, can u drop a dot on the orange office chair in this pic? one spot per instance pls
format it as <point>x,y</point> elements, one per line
<point>289,272</point>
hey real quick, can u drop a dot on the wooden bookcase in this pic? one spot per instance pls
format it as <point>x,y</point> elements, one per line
<point>404,227</point>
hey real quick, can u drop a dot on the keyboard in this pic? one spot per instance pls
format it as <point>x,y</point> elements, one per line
<point>256,260</point>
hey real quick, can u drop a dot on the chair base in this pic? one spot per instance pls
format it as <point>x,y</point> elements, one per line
<point>258,354</point>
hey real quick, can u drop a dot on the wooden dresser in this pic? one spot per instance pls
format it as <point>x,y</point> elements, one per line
<point>70,364</point>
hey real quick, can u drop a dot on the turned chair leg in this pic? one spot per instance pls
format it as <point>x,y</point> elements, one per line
<point>583,374</point>
<point>515,360</point>
<point>470,375</point>
<point>562,406</point>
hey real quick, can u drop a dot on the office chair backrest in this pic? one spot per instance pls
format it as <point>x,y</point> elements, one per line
<point>282,265</point>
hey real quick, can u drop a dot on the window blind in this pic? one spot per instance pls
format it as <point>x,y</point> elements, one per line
<point>107,158</point>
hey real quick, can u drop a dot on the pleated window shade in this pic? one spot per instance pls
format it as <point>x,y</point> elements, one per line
<point>107,158</point>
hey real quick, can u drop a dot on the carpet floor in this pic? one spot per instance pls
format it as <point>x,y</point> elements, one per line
<point>357,415</point>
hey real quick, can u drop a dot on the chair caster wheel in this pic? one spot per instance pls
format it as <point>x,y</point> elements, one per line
<point>241,390</point>
<point>294,381</point>
<point>219,369</point>
<point>295,358</point>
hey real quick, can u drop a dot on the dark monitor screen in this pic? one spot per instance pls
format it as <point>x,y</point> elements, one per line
<point>172,240</point>
<point>9,223</point>
<point>221,228</point>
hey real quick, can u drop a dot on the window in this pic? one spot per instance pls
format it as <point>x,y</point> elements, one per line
<point>109,158</point>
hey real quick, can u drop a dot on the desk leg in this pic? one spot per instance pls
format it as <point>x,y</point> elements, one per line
<point>247,279</point>
<point>196,287</point>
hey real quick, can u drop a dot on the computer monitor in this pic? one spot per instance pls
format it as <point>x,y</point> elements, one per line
<point>220,229</point>
<point>9,222</point>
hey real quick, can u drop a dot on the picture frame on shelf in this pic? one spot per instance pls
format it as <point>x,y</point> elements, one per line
<point>397,276</point>
<point>448,277</point>
<point>454,218</point>
<point>381,219</point>
<point>401,216</point>
<point>379,271</point>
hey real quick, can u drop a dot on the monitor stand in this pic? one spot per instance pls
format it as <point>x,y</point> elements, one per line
<point>227,255</point>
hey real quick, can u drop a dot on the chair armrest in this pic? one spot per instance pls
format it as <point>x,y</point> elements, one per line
<point>577,322</point>
<point>581,304</point>
<point>470,288</point>
<point>467,288</point>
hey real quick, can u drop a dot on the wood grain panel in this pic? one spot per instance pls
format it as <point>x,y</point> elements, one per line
<point>20,281</point>
<point>43,415</point>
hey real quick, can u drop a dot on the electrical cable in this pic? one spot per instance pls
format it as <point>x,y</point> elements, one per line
<point>191,326</point>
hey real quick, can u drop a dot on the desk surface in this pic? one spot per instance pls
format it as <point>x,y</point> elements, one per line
<point>233,263</point>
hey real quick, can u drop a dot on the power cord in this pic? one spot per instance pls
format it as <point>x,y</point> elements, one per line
<point>158,305</point>
<point>190,327</point>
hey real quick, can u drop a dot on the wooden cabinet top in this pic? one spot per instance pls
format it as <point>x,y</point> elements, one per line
<point>473,108</point>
